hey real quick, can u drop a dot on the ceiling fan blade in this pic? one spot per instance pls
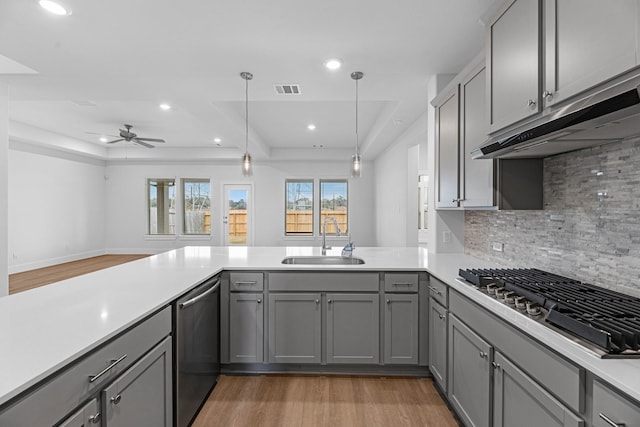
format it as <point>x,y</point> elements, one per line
<point>150,139</point>
<point>144,144</point>
<point>101,134</point>
<point>115,140</point>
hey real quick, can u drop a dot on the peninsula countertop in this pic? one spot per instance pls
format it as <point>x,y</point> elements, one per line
<point>45,329</point>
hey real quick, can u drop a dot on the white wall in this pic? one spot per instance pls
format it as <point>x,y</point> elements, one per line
<point>56,207</point>
<point>4,189</point>
<point>126,205</point>
<point>396,188</point>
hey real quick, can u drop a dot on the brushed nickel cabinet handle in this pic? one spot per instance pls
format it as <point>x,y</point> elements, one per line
<point>251,282</point>
<point>610,421</point>
<point>114,362</point>
<point>548,96</point>
<point>259,301</point>
<point>95,419</point>
<point>116,399</point>
<point>436,290</point>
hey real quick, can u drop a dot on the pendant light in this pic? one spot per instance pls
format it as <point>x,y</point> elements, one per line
<point>246,157</point>
<point>356,161</point>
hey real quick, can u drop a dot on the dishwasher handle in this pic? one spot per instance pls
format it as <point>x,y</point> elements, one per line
<point>201,296</point>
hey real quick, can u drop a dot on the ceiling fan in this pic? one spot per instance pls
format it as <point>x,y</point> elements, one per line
<point>127,135</point>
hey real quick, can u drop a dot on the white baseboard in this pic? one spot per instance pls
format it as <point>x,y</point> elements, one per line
<point>134,251</point>
<point>18,268</point>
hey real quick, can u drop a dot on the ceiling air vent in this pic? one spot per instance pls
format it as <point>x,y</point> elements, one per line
<point>288,89</point>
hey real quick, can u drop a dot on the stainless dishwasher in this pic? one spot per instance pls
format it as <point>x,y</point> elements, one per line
<point>197,348</point>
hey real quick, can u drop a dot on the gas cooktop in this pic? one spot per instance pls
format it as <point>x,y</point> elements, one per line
<point>607,322</point>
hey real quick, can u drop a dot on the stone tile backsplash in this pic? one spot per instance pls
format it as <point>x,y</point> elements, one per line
<point>590,226</point>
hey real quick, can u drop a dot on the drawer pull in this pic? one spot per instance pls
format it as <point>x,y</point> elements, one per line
<point>251,282</point>
<point>259,301</point>
<point>116,399</point>
<point>483,354</point>
<point>403,284</point>
<point>441,316</point>
<point>495,365</point>
<point>436,290</point>
<point>610,421</point>
<point>95,419</point>
<point>114,362</point>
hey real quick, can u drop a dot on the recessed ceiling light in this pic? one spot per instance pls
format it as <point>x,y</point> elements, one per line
<point>217,140</point>
<point>54,7</point>
<point>333,64</point>
<point>165,107</point>
<point>311,127</point>
<point>103,139</point>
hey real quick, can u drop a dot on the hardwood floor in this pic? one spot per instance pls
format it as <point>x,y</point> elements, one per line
<point>301,400</point>
<point>19,282</point>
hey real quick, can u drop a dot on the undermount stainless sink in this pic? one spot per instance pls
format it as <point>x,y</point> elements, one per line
<point>323,260</point>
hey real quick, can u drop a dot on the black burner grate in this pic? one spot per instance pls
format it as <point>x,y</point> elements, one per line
<point>606,318</point>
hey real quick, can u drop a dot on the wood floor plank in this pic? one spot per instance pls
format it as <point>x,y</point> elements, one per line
<point>318,401</point>
<point>26,280</point>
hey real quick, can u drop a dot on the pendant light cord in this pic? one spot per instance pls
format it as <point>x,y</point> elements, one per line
<point>357,139</point>
<point>246,115</point>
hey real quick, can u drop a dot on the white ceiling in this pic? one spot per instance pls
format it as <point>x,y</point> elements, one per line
<point>114,61</point>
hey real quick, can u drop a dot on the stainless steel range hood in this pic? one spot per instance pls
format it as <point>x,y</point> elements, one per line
<point>605,114</point>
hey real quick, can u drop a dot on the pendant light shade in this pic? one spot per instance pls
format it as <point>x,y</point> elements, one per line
<point>246,157</point>
<point>356,161</point>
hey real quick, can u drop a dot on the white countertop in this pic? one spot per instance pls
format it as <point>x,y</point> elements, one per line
<point>44,329</point>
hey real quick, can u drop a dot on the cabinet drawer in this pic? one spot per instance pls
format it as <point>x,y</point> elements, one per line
<point>610,406</point>
<point>562,378</point>
<point>401,282</point>
<point>51,402</point>
<point>246,281</point>
<point>324,282</point>
<point>438,291</point>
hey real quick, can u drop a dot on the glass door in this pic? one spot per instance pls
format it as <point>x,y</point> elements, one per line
<point>237,217</point>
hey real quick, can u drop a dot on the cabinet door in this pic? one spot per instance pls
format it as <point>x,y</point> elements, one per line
<point>401,329</point>
<point>447,138</point>
<point>469,374</point>
<point>86,416</point>
<point>246,333</point>
<point>476,175</point>
<point>513,43</point>
<point>353,328</point>
<point>142,396</point>
<point>438,343</point>
<point>294,328</point>
<point>519,400</point>
<point>611,408</point>
<point>586,43</point>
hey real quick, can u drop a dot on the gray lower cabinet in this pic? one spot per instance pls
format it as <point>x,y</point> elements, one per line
<point>246,328</point>
<point>438,343</point>
<point>519,401</point>
<point>401,329</point>
<point>295,328</point>
<point>469,385</point>
<point>86,416</point>
<point>610,408</point>
<point>353,328</point>
<point>142,396</point>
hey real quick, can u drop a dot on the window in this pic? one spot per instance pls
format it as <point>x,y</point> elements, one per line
<point>161,197</point>
<point>196,205</point>
<point>334,203</point>
<point>299,207</point>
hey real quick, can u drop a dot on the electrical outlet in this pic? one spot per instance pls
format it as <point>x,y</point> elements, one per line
<point>498,246</point>
<point>446,236</point>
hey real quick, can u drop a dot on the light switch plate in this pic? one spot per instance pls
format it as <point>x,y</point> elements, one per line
<point>498,246</point>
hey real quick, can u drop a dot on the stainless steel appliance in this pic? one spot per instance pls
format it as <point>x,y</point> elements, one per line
<point>197,348</point>
<point>605,321</point>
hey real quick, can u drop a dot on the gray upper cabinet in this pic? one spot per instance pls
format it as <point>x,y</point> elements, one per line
<point>438,343</point>
<point>142,396</point>
<point>353,328</point>
<point>541,52</point>
<point>401,329</point>
<point>295,328</point>
<point>519,400</point>
<point>470,359</point>
<point>447,135</point>
<point>513,57</point>
<point>476,176</point>
<point>587,42</point>
<point>246,326</point>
